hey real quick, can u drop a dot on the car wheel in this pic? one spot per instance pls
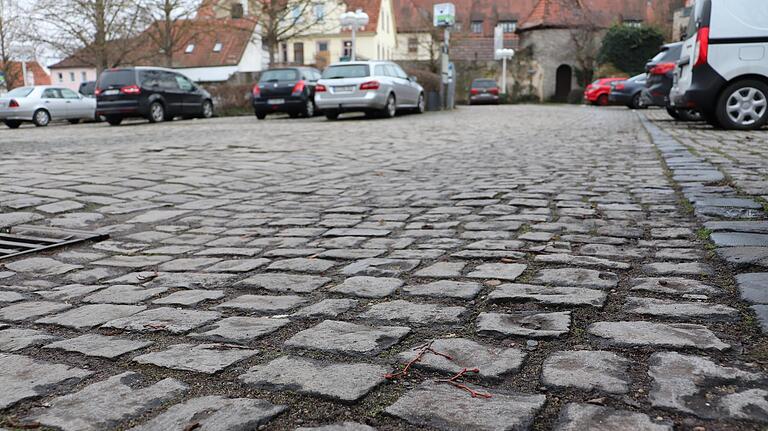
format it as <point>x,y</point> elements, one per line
<point>743,105</point>
<point>689,115</point>
<point>156,112</point>
<point>637,102</point>
<point>207,109</point>
<point>114,120</point>
<point>602,100</point>
<point>309,109</point>
<point>421,105</point>
<point>331,115</point>
<point>673,112</point>
<point>260,115</point>
<point>12,124</point>
<point>293,114</point>
<point>390,108</point>
<point>41,118</point>
<point>74,121</point>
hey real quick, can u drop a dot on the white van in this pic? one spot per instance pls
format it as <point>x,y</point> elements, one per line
<point>723,69</point>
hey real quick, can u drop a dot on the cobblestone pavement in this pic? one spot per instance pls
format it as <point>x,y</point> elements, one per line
<point>547,265</point>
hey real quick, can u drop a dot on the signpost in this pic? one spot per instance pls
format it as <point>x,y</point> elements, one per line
<point>444,15</point>
<point>504,55</point>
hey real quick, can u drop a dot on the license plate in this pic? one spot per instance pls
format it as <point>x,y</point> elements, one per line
<point>110,92</point>
<point>343,89</point>
<point>276,101</point>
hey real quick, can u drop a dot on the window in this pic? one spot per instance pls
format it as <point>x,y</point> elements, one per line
<point>236,11</point>
<point>346,71</point>
<point>633,23</point>
<point>296,14</point>
<point>322,46</point>
<point>380,70</point>
<point>72,76</point>
<point>52,93</point>
<point>413,44</point>
<point>476,26</point>
<point>217,47</point>
<point>190,48</point>
<point>69,94</point>
<point>347,51</point>
<point>84,76</point>
<point>279,75</point>
<point>284,52</point>
<point>298,53</point>
<point>508,26</point>
<point>183,83</point>
<point>149,78</point>
<point>319,11</point>
<point>61,77</point>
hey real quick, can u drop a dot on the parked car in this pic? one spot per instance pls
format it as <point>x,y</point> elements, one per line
<point>88,89</point>
<point>154,93</point>
<point>660,71</point>
<point>723,70</point>
<point>42,104</point>
<point>597,92</point>
<point>373,87</point>
<point>628,92</point>
<point>289,90</point>
<point>484,91</point>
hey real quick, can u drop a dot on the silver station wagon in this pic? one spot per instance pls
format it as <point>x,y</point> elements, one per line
<point>377,88</point>
<point>42,104</point>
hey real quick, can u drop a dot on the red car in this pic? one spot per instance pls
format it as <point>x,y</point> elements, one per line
<point>597,92</point>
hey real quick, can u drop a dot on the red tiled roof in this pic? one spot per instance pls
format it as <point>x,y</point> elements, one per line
<point>555,14</point>
<point>38,73</point>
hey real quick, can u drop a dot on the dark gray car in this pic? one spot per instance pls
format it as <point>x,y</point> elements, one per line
<point>628,92</point>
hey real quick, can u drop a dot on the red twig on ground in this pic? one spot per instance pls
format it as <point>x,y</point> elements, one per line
<point>462,386</point>
<point>423,350</point>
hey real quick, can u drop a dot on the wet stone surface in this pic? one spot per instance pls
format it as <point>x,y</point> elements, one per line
<point>602,271</point>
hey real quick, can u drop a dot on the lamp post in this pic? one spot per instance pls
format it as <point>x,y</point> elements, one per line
<point>354,20</point>
<point>504,54</point>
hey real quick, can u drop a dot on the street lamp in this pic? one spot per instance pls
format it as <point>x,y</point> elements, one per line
<point>354,20</point>
<point>504,54</point>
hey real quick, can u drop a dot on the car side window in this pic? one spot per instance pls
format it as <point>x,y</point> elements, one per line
<point>184,83</point>
<point>51,93</point>
<point>380,70</point>
<point>168,81</point>
<point>69,94</point>
<point>149,79</point>
<point>399,72</point>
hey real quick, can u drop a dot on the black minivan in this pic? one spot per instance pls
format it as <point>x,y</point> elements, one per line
<point>154,93</point>
<point>290,90</point>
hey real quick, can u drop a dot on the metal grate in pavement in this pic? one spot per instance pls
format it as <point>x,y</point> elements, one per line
<point>26,239</point>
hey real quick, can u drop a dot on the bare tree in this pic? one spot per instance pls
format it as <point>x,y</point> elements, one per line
<point>283,20</point>
<point>99,33</point>
<point>170,25</point>
<point>586,41</point>
<point>11,39</point>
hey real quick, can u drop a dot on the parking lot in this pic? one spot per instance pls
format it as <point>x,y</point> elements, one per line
<point>278,274</point>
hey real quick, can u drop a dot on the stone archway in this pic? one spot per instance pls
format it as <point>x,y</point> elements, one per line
<point>563,82</point>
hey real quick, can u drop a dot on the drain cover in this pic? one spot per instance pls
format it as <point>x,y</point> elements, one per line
<point>27,239</point>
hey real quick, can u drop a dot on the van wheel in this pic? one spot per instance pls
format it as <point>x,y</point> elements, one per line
<point>390,108</point>
<point>673,113</point>
<point>114,120</point>
<point>743,105</point>
<point>41,118</point>
<point>689,115</point>
<point>156,112</point>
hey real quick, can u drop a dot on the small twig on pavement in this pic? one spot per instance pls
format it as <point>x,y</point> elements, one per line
<point>423,350</point>
<point>152,276</point>
<point>462,386</point>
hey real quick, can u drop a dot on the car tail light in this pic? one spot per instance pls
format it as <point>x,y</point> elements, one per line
<point>298,88</point>
<point>702,42</point>
<point>662,68</point>
<point>370,85</point>
<point>256,91</point>
<point>474,91</point>
<point>96,91</point>
<point>13,104</point>
<point>619,87</point>
<point>320,88</point>
<point>130,89</point>
<point>494,90</point>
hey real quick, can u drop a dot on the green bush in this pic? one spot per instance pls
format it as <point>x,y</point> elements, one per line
<point>430,81</point>
<point>629,48</point>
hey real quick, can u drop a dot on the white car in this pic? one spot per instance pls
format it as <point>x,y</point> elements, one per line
<point>42,104</point>
<point>374,87</point>
<point>723,69</point>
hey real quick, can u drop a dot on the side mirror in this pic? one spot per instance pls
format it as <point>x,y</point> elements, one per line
<point>412,78</point>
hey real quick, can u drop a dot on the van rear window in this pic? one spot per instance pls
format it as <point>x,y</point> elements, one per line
<point>346,71</point>
<point>117,78</point>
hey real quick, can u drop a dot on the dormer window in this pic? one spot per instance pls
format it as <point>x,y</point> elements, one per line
<point>217,47</point>
<point>508,26</point>
<point>236,11</point>
<point>476,26</point>
<point>633,23</point>
<point>190,48</point>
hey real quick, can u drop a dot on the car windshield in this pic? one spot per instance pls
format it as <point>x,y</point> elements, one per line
<point>486,83</point>
<point>637,78</point>
<point>597,82</point>
<point>117,78</point>
<point>346,71</point>
<point>279,75</point>
<point>20,92</point>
